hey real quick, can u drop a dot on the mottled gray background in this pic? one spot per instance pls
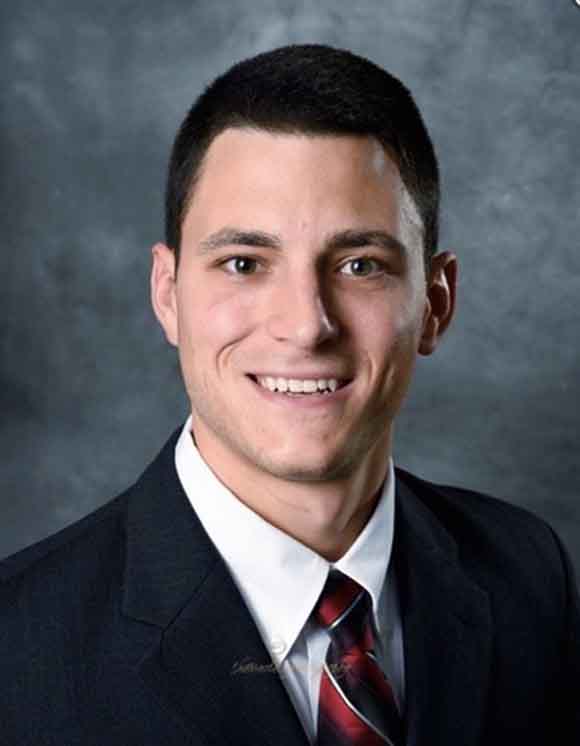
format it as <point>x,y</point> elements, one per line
<point>92,94</point>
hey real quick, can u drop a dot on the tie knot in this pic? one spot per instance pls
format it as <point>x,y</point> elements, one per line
<point>338,597</point>
<point>343,609</point>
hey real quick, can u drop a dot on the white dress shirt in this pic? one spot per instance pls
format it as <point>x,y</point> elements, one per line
<point>280,579</point>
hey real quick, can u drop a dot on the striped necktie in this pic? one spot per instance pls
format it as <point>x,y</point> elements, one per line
<point>357,706</point>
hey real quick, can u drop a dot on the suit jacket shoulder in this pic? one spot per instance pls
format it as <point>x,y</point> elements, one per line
<point>485,527</point>
<point>501,545</point>
<point>104,521</point>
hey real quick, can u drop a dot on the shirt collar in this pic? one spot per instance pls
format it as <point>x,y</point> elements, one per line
<point>280,578</point>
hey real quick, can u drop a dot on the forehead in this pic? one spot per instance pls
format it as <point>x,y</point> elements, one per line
<point>287,182</point>
<point>241,163</point>
<point>245,146</point>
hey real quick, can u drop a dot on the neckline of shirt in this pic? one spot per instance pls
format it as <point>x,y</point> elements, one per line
<point>279,578</point>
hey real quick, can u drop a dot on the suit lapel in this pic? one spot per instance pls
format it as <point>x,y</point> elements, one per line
<point>210,668</point>
<point>447,628</point>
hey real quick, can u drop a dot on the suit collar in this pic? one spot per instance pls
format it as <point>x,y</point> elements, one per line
<point>169,554</point>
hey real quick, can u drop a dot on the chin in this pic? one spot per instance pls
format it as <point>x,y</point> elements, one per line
<point>313,468</point>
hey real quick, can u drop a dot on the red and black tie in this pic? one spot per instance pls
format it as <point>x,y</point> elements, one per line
<point>357,706</point>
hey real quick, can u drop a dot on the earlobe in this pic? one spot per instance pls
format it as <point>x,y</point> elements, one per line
<point>441,294</point>
<point>163,291</point>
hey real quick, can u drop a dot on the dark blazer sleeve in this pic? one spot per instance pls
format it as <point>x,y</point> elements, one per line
<point>567,706</point>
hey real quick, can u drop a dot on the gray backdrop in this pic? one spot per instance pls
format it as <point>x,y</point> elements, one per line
<point>92,95</point>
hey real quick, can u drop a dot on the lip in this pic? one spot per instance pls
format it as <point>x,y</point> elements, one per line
<point>302,376</point>
<point>308,401</point>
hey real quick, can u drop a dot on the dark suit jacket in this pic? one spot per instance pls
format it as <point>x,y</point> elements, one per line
<point>125,629</point>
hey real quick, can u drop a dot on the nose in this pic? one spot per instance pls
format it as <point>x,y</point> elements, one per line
<point>299,312</point>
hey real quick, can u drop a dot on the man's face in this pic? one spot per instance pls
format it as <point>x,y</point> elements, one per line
<point>329,282</point>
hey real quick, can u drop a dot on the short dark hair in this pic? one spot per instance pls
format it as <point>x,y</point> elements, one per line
<point>307,89</point>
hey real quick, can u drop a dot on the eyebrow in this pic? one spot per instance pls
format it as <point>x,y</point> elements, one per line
<point>348,239</point>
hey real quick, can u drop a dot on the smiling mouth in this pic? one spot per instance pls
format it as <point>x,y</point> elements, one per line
<point>325,392</point>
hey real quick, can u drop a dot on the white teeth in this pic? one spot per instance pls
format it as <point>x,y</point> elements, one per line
<point>296,386</point>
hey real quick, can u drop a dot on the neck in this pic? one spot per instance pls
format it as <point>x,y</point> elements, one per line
<point>326,516</point>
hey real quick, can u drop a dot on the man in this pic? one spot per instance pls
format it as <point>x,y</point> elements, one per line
<point>272,578</point>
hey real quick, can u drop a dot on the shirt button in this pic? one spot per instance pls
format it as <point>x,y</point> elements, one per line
<point>277,646</point>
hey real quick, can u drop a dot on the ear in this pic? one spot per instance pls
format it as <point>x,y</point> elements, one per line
<point>163,290</point>
<point>440,305</point>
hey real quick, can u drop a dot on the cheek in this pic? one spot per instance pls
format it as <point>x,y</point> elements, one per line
<point>212,321</point>
<point>390,342</point>
<point>390,322</point>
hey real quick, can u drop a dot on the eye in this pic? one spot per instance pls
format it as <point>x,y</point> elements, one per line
<point>241,264</point>
<point>357,261</point>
